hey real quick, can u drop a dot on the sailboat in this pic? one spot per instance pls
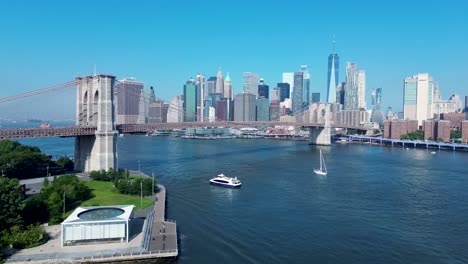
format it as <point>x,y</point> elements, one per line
<point>323,167</point>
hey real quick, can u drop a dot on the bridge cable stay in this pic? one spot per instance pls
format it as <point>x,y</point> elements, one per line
<point>38,92</point>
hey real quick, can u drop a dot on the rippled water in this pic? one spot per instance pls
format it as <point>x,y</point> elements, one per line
<point>377,204</point>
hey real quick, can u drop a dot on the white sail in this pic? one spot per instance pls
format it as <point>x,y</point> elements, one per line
<point>323,167</point>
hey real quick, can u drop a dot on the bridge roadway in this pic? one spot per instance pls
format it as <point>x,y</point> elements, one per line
<point>73,131</point>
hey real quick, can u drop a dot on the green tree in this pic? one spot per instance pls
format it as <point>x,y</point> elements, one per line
<point>65,163</point>
<point>11,203</point>
<point>455,134</point>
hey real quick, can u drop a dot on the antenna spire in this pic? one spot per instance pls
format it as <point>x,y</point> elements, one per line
<point>334,44</point>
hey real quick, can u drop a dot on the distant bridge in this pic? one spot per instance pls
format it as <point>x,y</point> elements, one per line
<point>76,131</point>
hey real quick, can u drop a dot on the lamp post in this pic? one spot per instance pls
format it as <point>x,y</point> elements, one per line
<point>47,174</point>
<point>139,168</point>
<point>152,186</point>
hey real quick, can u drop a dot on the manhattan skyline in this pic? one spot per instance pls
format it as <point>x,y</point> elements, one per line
<point>163,45</point>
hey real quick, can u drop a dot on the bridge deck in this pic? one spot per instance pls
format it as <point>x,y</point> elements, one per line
<point>73,131</point>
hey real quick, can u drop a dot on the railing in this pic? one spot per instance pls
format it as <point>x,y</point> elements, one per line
<point>133,255</point>
<point>148,229</point>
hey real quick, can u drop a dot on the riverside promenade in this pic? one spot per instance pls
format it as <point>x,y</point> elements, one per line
<point>156,239</point>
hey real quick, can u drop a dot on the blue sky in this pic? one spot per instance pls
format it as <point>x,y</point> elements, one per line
<point>163,43</point>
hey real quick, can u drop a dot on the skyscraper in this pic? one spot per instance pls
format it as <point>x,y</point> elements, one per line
<point>377,115</point>
<point>250,84</point>
<point>340,93</point>
<point>315,97</point>
<point>297,92</point>
<point>284,90</point>
<point>227,87</point>
<point>333,75</point>
<point>200,95</point>
<point>244,107</point>
<point>351,87</point>
<point>362,90</point>
<point>306,86</point>
<point>129,92</point>
<point>210,86</point>
<point>175,113</point>
<point>190,101</point>
<point>220,83</point>
<point>263,89</point>
<point>263,109</point>
<point>228,94</point>
<point>288,77</point>
<point>275,94</point>
<point>417,97</point>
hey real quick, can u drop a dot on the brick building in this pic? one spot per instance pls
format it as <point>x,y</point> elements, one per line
<point>443,130</point>
<point>454,118</point>
<point>428,127</point>
<point>464,131</point>
<point>394,129</point>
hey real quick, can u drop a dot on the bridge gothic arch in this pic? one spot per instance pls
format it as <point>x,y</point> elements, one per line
<point>95,108</point>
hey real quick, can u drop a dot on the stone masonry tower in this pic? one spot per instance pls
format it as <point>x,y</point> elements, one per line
<point>95,108</point>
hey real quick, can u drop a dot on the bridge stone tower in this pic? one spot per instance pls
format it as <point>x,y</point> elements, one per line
<point>95,107</point>
<point>320,113</point>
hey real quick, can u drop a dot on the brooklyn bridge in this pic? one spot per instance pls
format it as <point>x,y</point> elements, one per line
<point>96,131</point>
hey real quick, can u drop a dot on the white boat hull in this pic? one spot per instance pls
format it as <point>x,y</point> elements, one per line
<point>229,185</point>
<point>319,172</point>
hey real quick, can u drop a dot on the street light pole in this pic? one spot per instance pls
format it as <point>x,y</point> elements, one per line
<point>141,194</point>
<point>152,188</point>
<point>139,168</point>
<point>47,174</point>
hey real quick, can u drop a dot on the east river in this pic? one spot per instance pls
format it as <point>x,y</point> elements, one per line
<point>377,204</point>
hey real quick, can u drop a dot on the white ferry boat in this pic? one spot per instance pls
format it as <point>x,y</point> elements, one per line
<point>222,180</point>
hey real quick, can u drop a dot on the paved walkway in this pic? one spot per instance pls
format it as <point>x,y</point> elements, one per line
<point>164,232</point>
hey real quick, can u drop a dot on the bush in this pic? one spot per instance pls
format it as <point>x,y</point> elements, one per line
<point>109,176</point>
<point>31,236</point>
<point>135,185</point>
<point>65,163</point>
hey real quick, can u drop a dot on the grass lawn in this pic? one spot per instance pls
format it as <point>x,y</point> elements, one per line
<point>105,194</point>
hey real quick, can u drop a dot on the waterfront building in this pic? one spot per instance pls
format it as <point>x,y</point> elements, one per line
<point>129,93</point>
<point>220,83</point>
<point>377,115</point>
<point>175,113</point>
<point>221,110</point>
<point>263,109</point>
<point>250,83</point>
<point>315,97</point>
<point>285,107</point>
<point>464,132</point>
<point>206,108</point>
<point>466,107</point>
<point>245,107</point>
<point>288,77</point>
<point>157,112</point>
<point>263,89</point>
<point>455,119</point>
<point>305,85</point>
<point>418,97</point>
<point>297,92</point>
<point>284,90</point>
<point>190,101</point>
<point>437,130</point>
<point>200,95</point>
<point>210,87</point>
<point>274,110</point>
<point>351,87</point>
<point>98,224</point>
<point>333,75</point>
<point>394,129</point>
<point>142,108</point>
<point>353,118</point>
<point>211,114</point>
<point>361,90</point>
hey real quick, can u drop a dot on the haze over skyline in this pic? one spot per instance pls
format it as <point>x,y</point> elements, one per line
<point>164,43</point>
